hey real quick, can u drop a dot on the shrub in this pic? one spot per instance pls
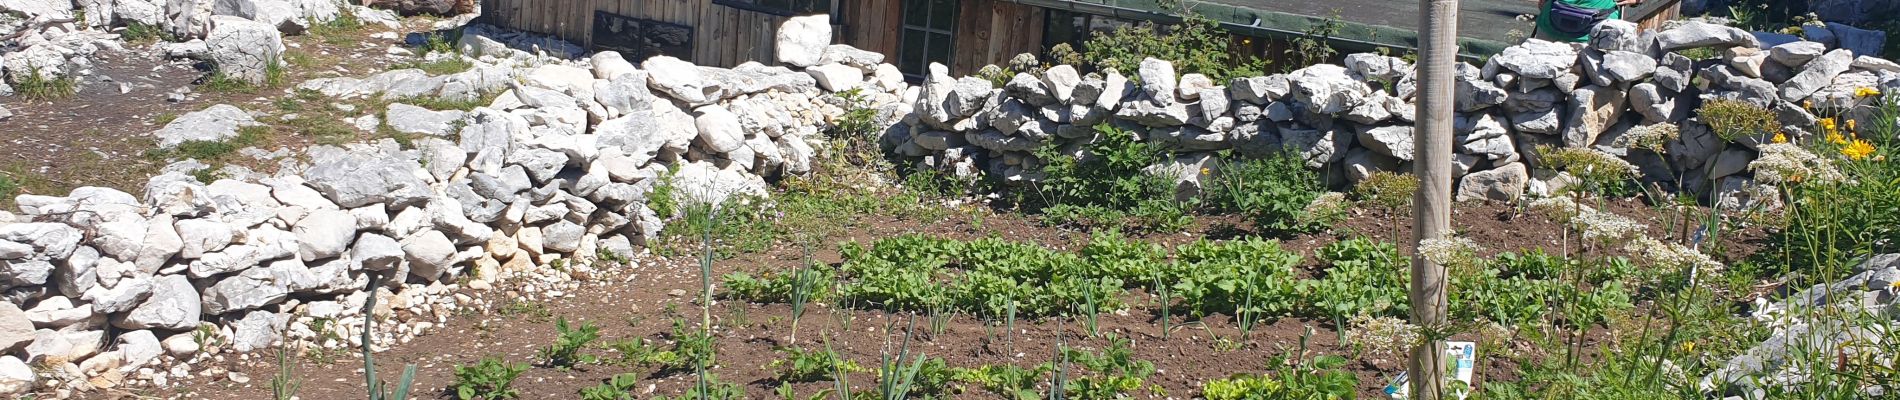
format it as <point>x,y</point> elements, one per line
<point>1273,192</point>
<point>1734,119</point>
<point>488,379</point>
<point>1320,379</point>
<point>801,365</point>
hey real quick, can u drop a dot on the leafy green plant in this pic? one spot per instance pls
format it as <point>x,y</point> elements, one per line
<point>488,379</point>
<point>1112,373</point>
<point>709,387</point>
<point>566,351</point>
<point>1390,191</point>
<point>1363,276</point>
<point>619,387</point>
<point>143,34</point>
<point>802,365</point>
<point>1273,192</point>
<point>1110,186</point>
<point>1007,381</point>
<point>1313,46</point>
<point>1195,45</point>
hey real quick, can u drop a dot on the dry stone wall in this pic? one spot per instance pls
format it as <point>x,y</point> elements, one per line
<point>1354,119</point>
<point>107,286</point>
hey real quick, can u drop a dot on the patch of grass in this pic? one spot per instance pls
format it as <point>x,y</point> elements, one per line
<point>8,186</point>
<point>141,34</point>
<point>218,82</point>
<point>444,66</point>
<point>443,103</point>
<point>299,59</point>
<point>340,31</point>
<point>534,312</point>
<point>35,86</point>
<point>214,150</point>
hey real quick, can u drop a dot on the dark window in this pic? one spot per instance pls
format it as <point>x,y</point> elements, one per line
<point>780,7</point>
<point>1076,28</point>
<point>636,39</point>
<point>929,26</point>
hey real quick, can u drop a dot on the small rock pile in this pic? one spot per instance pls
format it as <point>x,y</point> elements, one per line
<point>1802,335</point>
<point>1355,119</point>
<point>107,287</point>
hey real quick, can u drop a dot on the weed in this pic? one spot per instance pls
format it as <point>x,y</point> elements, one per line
<point>1112,373</point>
<point>565,352</point>
<point>532,311</point>
<point>488,379</point>
<point>1195,45</point>
<point>139,33</point>
<point>1110,187</point>
<point>35,85</point>
<point>8,187</point>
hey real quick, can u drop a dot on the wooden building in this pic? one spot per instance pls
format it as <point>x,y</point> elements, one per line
<point>968,34</point>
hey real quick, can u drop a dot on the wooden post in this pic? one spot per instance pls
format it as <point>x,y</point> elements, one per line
<point>1432,136</point>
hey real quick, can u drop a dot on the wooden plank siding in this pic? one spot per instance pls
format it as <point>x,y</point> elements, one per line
<point>874,25</point>
<point>987,31</point>
<point>992,31</point>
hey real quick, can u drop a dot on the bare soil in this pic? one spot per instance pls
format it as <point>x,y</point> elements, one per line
<point>635,302</point>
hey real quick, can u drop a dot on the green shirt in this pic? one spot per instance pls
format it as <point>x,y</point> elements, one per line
<point>1545,31</point>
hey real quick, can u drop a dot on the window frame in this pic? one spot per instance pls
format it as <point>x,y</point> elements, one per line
<point>752,5</point>
<point>905,29</point>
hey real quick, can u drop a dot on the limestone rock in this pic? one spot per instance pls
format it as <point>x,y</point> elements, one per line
<point>213,124</point>
<point>801,41</point>
<point>244,49</point>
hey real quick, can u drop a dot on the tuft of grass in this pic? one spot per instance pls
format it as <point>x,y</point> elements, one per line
<point>205,150</point>
<point>444,66</point>
<point>274,76</point>
<point>142,34</point>
<point>35,86</point>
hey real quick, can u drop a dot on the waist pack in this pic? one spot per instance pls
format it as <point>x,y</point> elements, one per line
<point>1575,20</point>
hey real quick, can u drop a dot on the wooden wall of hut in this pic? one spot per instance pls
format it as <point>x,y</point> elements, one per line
<point>722,36</point>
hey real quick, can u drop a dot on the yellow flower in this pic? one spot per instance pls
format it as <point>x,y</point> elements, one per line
<point>1808,104</point>
<point>1827,124</point>
<point>1857,150</point>
<point>1205,171</point>
<point>1781,137</point>
<point>1866,92</point>
<point>1895,285</point>
<point>1850,125</point>
<point>1688,347</point>
<point>1836,138</point>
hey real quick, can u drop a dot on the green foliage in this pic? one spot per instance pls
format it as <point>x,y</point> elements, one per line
<point>1113,373</point>
<point>639,352</point>
<point>143,34</point>
<point>802,365</point>
<point>489,379</point>
<point>1007,381</point>
<point>1273,192</point>
<point>1600,173</point>
<point>1363,277</point>
<point>1250,276</point>
<point>442,66</point>
<point>218,82</point>
<point>1194,45</point>
<point>8,187</point>
<point>773,287</point>
<point>284,385</point>
<point>619,387</point>
<point>371,383</point>
<point>209,151</point>
<point>709,387</point>
<point>1109,186</point>
<point>565,352</point>
<point>1319,379</point>
<point>1312,47</point>
<point>1834,224</point>
<point>1734,119</point>
<point>33,85</point>
<point>1388,190</point>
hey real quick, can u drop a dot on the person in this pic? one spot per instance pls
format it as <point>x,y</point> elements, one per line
<point>1572,20</point>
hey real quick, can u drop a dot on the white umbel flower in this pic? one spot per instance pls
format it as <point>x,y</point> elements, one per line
<point>1657,252</point>
<point>1450,251</point>
<point>1787,163</point>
